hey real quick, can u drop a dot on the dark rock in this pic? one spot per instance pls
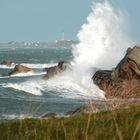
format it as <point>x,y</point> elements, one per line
<point>19,69</point>
<point>7,62</point>
<point>49,115</point>
<point>55,70</point>
<point>129,66</point>
<point>124,81</point>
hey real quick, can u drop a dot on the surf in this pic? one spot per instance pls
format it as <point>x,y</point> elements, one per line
<point>102,43</point>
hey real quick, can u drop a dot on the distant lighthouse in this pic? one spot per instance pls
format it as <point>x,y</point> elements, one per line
<point>62,36</point>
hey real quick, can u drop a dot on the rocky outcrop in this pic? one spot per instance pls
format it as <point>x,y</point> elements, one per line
<point>55,70</point>
<point>129,66</point>
<point>124,80</point>
<point>19,69</point>
<point>49,115</point>
<point>7,62</point>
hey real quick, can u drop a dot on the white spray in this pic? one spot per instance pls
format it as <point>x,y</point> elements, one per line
<point>102,41</point>
<point>102,45</point>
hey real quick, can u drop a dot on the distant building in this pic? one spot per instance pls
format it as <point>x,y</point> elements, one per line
<point>62,36</point>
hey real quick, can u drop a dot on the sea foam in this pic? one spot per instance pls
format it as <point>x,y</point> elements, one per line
<point>102,45</point>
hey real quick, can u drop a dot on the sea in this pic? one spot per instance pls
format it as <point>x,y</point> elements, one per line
<point>27,94</point>
<point>102,44</point>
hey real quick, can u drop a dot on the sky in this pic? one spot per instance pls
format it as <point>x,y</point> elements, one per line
<point>45,20</point>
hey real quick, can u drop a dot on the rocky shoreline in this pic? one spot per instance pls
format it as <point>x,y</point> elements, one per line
<point>121,85</point>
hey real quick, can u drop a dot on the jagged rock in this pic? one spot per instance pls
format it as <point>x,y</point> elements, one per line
<point>129,66</point>
<point>19,69</point>
<point>104,105</point>
<point>124,81</point>
<point>7,62</point>
<point>52,71</point>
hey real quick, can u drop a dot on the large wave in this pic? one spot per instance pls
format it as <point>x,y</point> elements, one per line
<point>102,38</point>
<point>102,44</point>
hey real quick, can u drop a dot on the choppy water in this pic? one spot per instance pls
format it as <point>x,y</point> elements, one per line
<point>29,95</point>
<point>22,95</point>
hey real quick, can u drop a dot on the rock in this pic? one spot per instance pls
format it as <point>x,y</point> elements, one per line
<point>7,62</point>
<point>129,66</point>
<point>102,78</point>
<point>19,69</point>
<point>124,81</point>
<point>55,70</point>
<point>104,105</point>
<point>117,88</point>
<point>49,115</point>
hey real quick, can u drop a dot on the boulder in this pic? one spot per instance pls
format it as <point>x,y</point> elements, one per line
<point>7,62</point>
<point>49,115</point>
<point>124,80</point>
<point>129,66</point>
<point>19,69</point>
<point>55,70</point>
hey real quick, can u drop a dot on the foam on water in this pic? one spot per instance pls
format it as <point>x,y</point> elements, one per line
<point>32,66</point>
<point>7,67</point>
<point>61,85</point>
<point>38,66</point>
<point>15,116</point>
<point>102,45</point>
<point>31,73</point>
<point>28,87</point>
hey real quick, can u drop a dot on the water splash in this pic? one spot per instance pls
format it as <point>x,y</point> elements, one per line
<point>102,45</point>
<point>102,38</point>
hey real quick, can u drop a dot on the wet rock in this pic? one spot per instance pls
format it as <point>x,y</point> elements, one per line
<point>129,66</point>
<point>19,69</point>
<point>7,62</point>
<point>49,115</point>
<point>55,70</point>
<point>124,80</point>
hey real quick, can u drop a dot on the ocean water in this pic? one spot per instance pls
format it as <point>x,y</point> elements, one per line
<point>102,44</point>
<point>23,95</point>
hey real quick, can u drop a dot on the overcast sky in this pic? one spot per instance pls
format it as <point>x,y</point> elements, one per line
<point>44,20</point>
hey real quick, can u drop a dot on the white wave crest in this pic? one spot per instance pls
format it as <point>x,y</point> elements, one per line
<point>32,66</point>
<point>28,87</point>
<point>102,45</point>
<point>38,66</point>
<point>7,67</point>
<point>30,73</point>
<point>15,116</point>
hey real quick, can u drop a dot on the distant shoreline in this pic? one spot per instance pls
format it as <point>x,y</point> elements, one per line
<point>65,43</point>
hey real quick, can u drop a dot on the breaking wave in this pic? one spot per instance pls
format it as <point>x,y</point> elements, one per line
<point>32,66</point>
<point>102,45</point>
